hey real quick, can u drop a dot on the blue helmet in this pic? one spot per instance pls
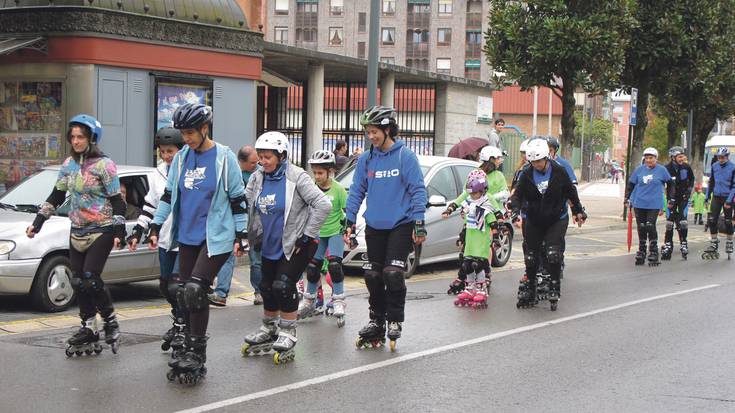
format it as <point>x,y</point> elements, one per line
<point>95,127</point>
<point>722,151</point>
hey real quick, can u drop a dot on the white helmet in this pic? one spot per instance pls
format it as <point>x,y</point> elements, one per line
<point>322,157</point>
<point>650,151</point>
<point>275,141</point>
<point>524,146</point>
<point>537,149</point>
<point>488,152</point>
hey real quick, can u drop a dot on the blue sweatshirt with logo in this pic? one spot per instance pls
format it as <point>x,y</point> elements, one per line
<point>722,180</point>
<point>393,184</point>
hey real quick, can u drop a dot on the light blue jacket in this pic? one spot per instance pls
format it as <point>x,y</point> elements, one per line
<point>221,222</point>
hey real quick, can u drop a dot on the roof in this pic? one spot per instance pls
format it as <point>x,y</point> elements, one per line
<point>225,13</point>
<point>721,140</point>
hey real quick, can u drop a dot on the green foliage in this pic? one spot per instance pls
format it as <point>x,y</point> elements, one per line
<point>657,136</point>
<point>597,136</point>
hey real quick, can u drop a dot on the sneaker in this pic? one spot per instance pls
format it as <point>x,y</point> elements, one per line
<point>215,299</point>
<point>258,299</point>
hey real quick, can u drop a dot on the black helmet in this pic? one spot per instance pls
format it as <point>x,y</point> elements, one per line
<point>553,142</point>
<point>675,151</point>
<point>192,116</point>
<point>380,116</point>
<point>168,136</point>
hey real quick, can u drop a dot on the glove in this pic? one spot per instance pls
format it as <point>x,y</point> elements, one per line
<point>119,231</point>
<point>240,238</point>
<point>38,223</point>
<point>136,235</point>
<point>498,215</point>
<point>349,225</point>
<point>154,230</point>
<point>450,208</point>
<point>304,241</point>
<point>420,229</point>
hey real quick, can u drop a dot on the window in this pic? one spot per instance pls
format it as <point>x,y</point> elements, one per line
<point>282,7</point>
<point>463,171</point>
<point>444,37</point>
<point>472,73</point>
<point>280,35</point>
<point>419,37</point>
<point>361,22</point>
<point>444,66</point>
<point>445,7</point>
<point>336,7</point>
<point>474,37</point>
<point>360,50</point>
<point>389,7</point>
<point>442,183</point>
<point>336,36</point>
<point>388,60</point>
<point>388,35</point>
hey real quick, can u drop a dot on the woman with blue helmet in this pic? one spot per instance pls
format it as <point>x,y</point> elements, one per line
<point>97,224</point>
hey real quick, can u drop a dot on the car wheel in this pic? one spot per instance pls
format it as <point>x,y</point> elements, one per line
<point>52,289</point>
<point>502,255</point>
<point>413,261</point>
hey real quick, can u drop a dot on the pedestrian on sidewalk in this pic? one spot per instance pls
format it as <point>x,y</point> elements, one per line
<point>97,226</point>
<point>699,205</point>
<point>286,211</point>
<point>247,158</point>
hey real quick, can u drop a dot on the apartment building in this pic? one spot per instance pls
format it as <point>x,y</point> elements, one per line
<point>443,36</point>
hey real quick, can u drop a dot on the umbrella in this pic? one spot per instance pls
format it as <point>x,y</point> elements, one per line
<point>466,147</point>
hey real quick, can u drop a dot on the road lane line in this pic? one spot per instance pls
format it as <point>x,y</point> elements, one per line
<point>429,352</point>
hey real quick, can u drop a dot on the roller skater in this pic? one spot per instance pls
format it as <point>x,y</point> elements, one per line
<point>205,200</point>
<point>643,194</point>
<point>396,202</point>
<point>323,166</point>
<point>286,211</point>
<point>168,142</point>
<point>682,180</point>
<point>543,191</point>
<point>84,341</point>
<point>97,225</point>
<point>373,334</point>
<point>720,193</point>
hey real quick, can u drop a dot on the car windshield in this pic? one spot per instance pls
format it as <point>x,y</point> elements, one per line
<point>345,177</point>
<point>32,191</point>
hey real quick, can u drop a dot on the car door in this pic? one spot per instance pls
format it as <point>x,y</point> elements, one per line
<point>442,233</point>
<point>123,265</point>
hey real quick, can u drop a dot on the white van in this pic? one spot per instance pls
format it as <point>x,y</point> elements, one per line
<point>710,148</point>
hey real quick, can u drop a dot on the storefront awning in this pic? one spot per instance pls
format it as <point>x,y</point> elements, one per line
<point>10,44</point>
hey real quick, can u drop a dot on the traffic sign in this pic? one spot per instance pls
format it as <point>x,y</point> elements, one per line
<point>633,106</point>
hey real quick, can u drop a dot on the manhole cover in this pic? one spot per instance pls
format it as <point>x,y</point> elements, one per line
<point>418,296</point>
<point>58,340</point>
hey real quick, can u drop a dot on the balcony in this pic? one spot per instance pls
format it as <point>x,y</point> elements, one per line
<point>418,20</point>
<point>474,21</point>
<point>417,50</point>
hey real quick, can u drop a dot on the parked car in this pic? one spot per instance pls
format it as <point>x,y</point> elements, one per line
<point>40,266</point>
<point>445,179</point>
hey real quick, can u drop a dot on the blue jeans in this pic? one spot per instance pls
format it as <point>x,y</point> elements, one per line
<point>224,277</point>
<point>256,273</point>
<point>336,246</point>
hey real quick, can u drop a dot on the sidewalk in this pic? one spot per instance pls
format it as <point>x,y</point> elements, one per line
<point>604,204</point>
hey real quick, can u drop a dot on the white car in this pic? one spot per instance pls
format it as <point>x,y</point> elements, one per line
<point>444,178</point>
<point>40,266</point>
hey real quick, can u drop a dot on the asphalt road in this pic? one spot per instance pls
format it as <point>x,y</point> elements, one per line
<point>625,338</point>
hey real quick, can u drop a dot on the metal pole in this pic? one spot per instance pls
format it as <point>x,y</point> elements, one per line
<point>581,148</point>
<point>690,132</point>
<point>373,48</point>
<point>631,131</point>
<point>534,129</point>
<point>551,102</point>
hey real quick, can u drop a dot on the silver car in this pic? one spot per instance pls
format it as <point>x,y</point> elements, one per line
<point>444,179</point>
<point>40,266</point>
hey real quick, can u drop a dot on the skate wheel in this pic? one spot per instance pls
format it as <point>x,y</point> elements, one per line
<point>69,352</point>
<point>277,358</point>
<point>165,346</point>
<point>98,350</point>
<point>244,349</point>
<point>88,352</point>
<point>114,347</point>
<point>340,322</point>
<point>553,306</point>
<point>78,353</point>
<point>170,375</point>
<point>392,345</point>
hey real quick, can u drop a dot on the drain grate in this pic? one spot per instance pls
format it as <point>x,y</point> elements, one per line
<point>418,296</point>
<point>58,340</point>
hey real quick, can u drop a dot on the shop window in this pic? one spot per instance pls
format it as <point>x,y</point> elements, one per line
<point>32,129</point>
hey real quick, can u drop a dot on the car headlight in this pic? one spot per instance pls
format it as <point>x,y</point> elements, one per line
<point>6,247</point>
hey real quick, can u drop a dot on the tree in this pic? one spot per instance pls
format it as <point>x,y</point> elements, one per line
<point>657,137</point>
<point>561,44</point>
<point>597,135</point>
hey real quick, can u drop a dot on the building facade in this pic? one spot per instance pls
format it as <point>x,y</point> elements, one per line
<point>442,36</point>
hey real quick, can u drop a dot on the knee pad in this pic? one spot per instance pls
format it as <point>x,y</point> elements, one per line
<point>650,226</point>
<point>394,278</point>
<point>76,281</point>
<point>669,225</point>
<point>314,270</point>
<point>91,282</point>
<point>373,274</point>
<point>172,288</point>
<point>283,287</point>
<point>470,266</point>
<point>683,224</point>
<point>554,255</point>
<point>335,269</point>
<point>195,295</point>
<point>531,260</point>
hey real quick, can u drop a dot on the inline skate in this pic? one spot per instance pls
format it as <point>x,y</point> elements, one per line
<point>666,251</point>
<point>466,297</point>
<point>372,335</point>
<point>526,293</point>
<point>85,340</point>
<point>728,248</point>
<point>310,306</point>
<point>640,255</point>
<point>394,333</point>
<point>456,287</point>
<point>189,369</point>
<point>554,295</point>
<point>684,249</point>
<point>112,332</point>
<point>711,252</point>
<point>336,308</point>
<point>262,339</point>
<point>285,344</point>
<point>653,257</point>
<point>479,301</point>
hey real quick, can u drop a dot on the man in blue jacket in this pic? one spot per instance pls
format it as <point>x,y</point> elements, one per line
<point>389,177</point>
<point>722,190</point>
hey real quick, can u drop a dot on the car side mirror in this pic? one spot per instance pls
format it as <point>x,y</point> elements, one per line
<point>437,201</point>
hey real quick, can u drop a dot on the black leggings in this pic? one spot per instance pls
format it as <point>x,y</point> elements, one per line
<point>552,238</point>
<point>717,205</point>
<point>677,218</point>
<point>196,266</point>
<point>646,219</point>
<point>387,250</point>
<point>86,267</point>
<point>278,284</point>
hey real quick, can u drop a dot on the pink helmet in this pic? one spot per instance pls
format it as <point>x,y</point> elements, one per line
<point>477,181</point>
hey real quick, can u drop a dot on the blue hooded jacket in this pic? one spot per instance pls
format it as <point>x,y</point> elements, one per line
<point>393,184</point>
<point>722,180</point>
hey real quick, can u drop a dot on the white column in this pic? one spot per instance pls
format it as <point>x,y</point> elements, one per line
<point>387,89</point>
<point>314,109</point>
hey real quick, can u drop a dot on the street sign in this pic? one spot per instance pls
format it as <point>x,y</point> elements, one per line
<point>633,106</point>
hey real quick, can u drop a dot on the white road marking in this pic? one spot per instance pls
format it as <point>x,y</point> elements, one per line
<point>429,352</point>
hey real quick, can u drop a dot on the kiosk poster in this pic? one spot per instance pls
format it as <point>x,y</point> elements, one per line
<point>172,95</point>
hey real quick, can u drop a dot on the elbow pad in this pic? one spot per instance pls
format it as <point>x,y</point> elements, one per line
<point>118,206</point>
<point>56,198</point>
<point>166,197</point>
<point>239,205</point>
